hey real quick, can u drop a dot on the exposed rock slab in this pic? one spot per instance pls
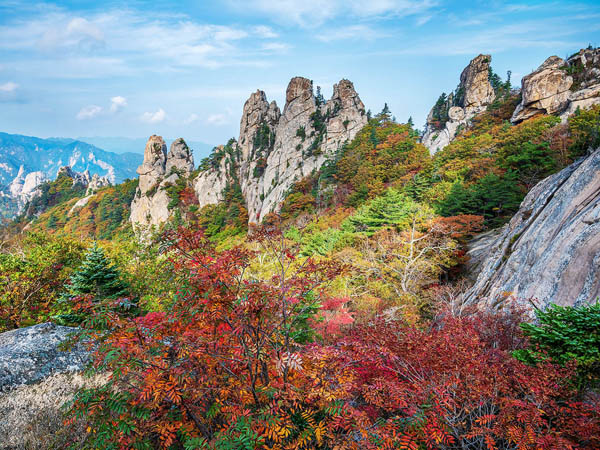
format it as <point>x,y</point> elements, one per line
<point>36,378</point>
<point>550,250</point>
<point>28,355</point>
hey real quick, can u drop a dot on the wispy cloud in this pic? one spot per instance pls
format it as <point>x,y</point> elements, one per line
<point>8,87</point>
<point>154,117</point>
<point>352,32</point>
<point>314,13</point>
<point>89,112</point>
<point>265,32</point>
<point>130,39</point>
<point>217,119</point>
<point>191,119</point>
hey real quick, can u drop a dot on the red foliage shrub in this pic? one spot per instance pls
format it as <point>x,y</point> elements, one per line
<point>452,386</point>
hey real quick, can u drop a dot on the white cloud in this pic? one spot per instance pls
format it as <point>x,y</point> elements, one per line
<point>276,47</point>
<point>124,41</point>
<point>217,119</point>
<point>117,104</point>
<point>424,19</point>
<point>89,112</point>
<point>8,87</point>
<point>154,117</point>
<point>191,119</point>
<point>76,34</point>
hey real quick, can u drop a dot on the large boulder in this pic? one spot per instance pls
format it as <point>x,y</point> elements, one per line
<point>561,86</point>
<point>550,250</point>
<point>37,376</point>
<point>28,355</point>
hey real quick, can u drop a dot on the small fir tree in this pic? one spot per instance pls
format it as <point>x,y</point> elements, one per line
<point>97,277</point>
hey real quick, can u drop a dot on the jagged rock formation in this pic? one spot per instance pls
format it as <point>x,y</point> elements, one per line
<point>159,170</point>
<point>560,87</point>
<point>36,379</point>
<point>211,182</point>
<point>24,186</point>
<point>277,148</point>
<point>550,250</point>
<point>93,183</point>
<point>471,97</point>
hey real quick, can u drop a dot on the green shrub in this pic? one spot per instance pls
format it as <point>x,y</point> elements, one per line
<point>566,333</point>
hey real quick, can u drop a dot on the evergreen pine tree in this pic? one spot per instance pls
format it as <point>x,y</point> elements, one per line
<point>98,277</point>
<point>392,209</point>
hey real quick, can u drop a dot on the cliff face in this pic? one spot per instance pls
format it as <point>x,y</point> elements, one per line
<point>472,96</point>
<point>560,87</point>
<point>157,172</point>
<point>276,148</point>
<point>550,250</point>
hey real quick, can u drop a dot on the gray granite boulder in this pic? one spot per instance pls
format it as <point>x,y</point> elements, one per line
<point>29,355</point>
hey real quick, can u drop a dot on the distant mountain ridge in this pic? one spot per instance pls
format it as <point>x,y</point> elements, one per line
<point>27,161</point>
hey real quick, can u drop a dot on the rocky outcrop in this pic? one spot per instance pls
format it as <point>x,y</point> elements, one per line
<point>212,181</point>
<point>150,205</point>
<point>24,186</point>
<point>96,182</point>
<point>550,250</point>
<point>277,148</point>
<point>471,97</point>
<point>560,87</point>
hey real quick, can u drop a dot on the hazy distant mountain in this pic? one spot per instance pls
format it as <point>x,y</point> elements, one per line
<point>136,145</point>
<point>27,161</point>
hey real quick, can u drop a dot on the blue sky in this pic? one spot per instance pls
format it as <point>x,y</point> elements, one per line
<point>186,68</point>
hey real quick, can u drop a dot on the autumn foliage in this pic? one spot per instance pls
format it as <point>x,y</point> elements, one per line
<point>242,362</point>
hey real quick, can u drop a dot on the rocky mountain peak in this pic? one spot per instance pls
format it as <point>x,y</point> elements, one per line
<point>474,80</point>
<point>180,157</point>
<point>150,205</point>
<point>257,112</point>
<point>344,93</point>
<point>299,88</point>
<point>471,97</point>
<point>155,156</point>
<point>275,149</point>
